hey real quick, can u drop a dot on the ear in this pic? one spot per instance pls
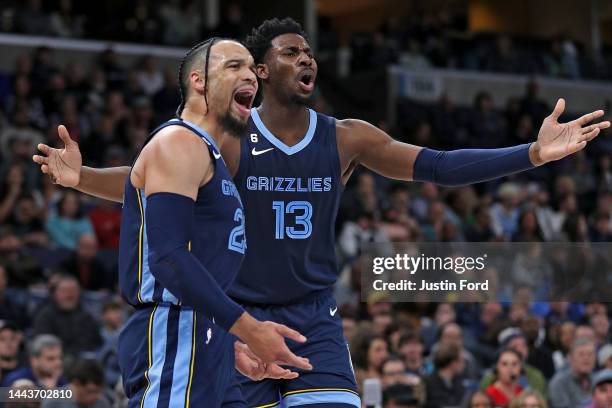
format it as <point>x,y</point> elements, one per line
<point>197,81</point>
<point>262,71</point>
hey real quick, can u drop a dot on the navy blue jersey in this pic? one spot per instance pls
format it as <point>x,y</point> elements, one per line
<point>218,240</point>
<point>291,197</point>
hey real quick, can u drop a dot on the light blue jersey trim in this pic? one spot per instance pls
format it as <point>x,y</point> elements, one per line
<point>320,397</point>
<point>182,362</point>
<point>148,280</point>
<point>158,339</point>
<point>201,132</point>
<point>277,142</point>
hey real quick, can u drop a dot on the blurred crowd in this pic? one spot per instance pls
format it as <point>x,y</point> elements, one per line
<point>59,304</point>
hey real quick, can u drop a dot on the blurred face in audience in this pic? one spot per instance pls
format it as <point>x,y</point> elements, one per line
<point>113,317</point>
<point>531,401</point>
<point>601,325</point>
<point>394,372</point>
<point>508,368</point>
<point>566,337</point>
<point>87,247</point>
<point>380,322</point>
<point>584,331</point>
<point>602,395</point>
<point>445,314</point>
<point>452,335</point>
<point>67,294</point>
<point>519,344</point>
<point>70,205</point>
<point>86,394</point>
<point>377,353</point>
<point>10,341</point>
<point>480,400</point>
<point>582,359</point>
<point>49,363</point>
<point>412,352</point>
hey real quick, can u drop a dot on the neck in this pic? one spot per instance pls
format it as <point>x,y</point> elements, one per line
<point>198,116</point>
<point>446,373</point>
<point>274,114</point>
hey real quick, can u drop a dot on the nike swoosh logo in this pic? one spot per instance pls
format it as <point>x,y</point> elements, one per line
<point>257,153</point>
<point>217,155</point>
<point>332,312</point>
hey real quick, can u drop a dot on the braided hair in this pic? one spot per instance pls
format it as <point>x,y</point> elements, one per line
<point>185,66</point>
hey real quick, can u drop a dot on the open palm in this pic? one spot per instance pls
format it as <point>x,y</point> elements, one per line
<point>557,140</point>
<point>62,165</point>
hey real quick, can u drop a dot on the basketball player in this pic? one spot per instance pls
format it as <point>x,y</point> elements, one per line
<point>182,242</point>
<point>290,170</point>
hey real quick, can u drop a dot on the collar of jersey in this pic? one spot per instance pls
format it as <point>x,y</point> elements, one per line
<point>312,126</point>
<point>201,132</point>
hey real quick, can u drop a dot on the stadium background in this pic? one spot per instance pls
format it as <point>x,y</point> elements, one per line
<point>442,74</point>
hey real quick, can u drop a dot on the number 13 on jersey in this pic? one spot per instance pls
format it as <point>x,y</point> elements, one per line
<point>301,210</point>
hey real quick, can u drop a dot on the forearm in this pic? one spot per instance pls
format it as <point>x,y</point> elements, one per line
<point>468,166</point>
<point>106,183</point>
<point>169,224</point>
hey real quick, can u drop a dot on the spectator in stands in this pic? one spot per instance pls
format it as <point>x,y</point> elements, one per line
<point>601,326</point>
<point>513,338</point>
<point>67,226</point>
<point>46,365</point>
<point>112,322</point>
<point>445,313</point>
<point>26,222</point>
<point>602,389</point>
<point>149,76</point>
<point>507,370</point>
<point>445,386</point>
<point>370,352</point>
<point>532,104</point>
<point>604,356</point>
<point>411,350</point>
<point>529,399</point>
<point>182,22</point>
<point>66,318</point>
<point>505,214</point>
<point>11,339</point>
<point>478,399</point>
<point>480,230</point>
<point>11,310</point>
<point>394,372</point>
<point>166,99</point>
<point>539,355</point>
<point>106,220</point>
<point>65,22</point>
<point>528,228</point>
<point>87,386</point>
<point>400,396</point>
<point>485,125</point>
<point>571,388</point>
<point>85,265</point>
<point>451,333</point>
<point>20,138</point>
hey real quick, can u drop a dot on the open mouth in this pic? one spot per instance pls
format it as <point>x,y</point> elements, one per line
<point>244,100</point>
<point>306,80</point>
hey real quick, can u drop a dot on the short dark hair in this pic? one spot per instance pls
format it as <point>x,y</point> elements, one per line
<point>445,355</point>
<point>260,39</point>
<point>409,337</point>
<point>87,372</point>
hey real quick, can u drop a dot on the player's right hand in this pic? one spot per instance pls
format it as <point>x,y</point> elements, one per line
<point>267,341</point>
<point>62,165</point>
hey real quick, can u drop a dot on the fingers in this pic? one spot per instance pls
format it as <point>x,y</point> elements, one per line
<point>64,135</point>
<point>43,148</point>
<point>40,159</point>
<point>276,372</point>
<point>577,147</point>
<point>44,168</point>
<point>587,137</point>
<point>286,357</point>
<point>290,333</point>
<point>559,108</point>
<point>589,117</point>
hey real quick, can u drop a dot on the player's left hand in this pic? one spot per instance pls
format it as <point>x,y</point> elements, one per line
<point>557,140</point>
<point>251,366</point>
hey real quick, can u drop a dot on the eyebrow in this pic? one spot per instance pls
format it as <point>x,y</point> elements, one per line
<point>296,49</point>
<point>234,61</point>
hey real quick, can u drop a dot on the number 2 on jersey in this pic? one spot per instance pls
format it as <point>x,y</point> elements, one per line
<point>303,214</point>
<point>237,240</point>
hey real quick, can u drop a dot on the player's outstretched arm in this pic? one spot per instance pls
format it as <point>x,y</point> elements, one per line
<point>365,144</point>
<point>171,187</point>
<point>65,168</point>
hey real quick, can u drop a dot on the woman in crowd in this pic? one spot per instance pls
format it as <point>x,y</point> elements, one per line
<point>507,371</point>
<point>529,399</point>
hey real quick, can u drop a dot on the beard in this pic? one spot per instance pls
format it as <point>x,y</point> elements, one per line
<point>300,100</point>
<point>233,126</point>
